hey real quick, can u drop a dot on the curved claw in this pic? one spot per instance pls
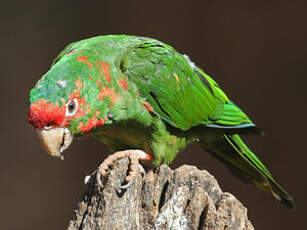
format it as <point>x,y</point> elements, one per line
<point>98,178</point>
<point>134,157</point>
<point>129,183</point>
<point>126,186</point>
<point>143,172</point>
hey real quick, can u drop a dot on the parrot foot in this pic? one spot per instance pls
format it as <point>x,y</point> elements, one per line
<point>134,156</point>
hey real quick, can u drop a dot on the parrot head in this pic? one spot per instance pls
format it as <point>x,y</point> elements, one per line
<point>72,99</point>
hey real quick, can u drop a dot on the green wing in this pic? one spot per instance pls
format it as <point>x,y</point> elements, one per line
<point>184,96</point>
<point>180,93</point>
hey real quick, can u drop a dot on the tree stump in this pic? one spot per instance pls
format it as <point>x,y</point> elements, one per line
<point>185,198</point>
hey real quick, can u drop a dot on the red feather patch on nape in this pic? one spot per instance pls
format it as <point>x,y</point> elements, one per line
<point>148,106</point>
<point>108,92</point>
<point>123,83</point>
<point>103,69</point>
<point>42,113</point>
<point>72,52</point>
<point>85,60</point>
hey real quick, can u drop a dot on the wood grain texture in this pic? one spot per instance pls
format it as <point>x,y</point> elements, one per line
<point>185,198</point>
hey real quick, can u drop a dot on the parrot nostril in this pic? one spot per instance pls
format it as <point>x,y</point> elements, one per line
<point>48,125</point>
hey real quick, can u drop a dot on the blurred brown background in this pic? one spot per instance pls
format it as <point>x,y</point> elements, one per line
<point>256,50</point>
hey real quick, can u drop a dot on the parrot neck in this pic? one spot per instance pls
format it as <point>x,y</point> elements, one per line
<point>125,135</point>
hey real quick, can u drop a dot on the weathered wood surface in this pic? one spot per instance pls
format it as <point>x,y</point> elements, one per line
<point>185,198</point>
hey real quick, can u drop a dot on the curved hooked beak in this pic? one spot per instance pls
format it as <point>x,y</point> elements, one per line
<point>55,140</point>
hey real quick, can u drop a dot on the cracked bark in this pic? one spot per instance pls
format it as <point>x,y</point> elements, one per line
<point>185,198</point>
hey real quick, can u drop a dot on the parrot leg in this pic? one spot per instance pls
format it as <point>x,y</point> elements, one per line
<point>134,156</point>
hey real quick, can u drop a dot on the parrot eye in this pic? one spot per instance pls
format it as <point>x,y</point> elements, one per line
<point>71,107</point>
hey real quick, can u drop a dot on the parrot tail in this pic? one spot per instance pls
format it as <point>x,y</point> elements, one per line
<point>241,161</point>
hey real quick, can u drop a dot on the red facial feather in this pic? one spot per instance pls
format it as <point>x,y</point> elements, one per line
<point>81,108</point>
<point>76,92</point>
<point>42,113</point>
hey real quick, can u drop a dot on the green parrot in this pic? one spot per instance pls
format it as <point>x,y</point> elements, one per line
<point>139,93</point>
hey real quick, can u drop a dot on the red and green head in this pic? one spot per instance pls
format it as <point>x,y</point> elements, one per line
<point>73,98</point>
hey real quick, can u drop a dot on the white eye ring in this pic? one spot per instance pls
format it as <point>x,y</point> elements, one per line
<point>72,107</point>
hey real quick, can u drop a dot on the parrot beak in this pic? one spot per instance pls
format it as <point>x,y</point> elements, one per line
<point>55,140</point>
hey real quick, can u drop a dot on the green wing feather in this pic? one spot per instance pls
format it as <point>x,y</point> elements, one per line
<point>233,152</point>
<point>181,94</point>
<point>185,97</point>
<point>267,182</point>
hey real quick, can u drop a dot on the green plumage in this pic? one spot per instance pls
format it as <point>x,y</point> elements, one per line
<point>137,92</point>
